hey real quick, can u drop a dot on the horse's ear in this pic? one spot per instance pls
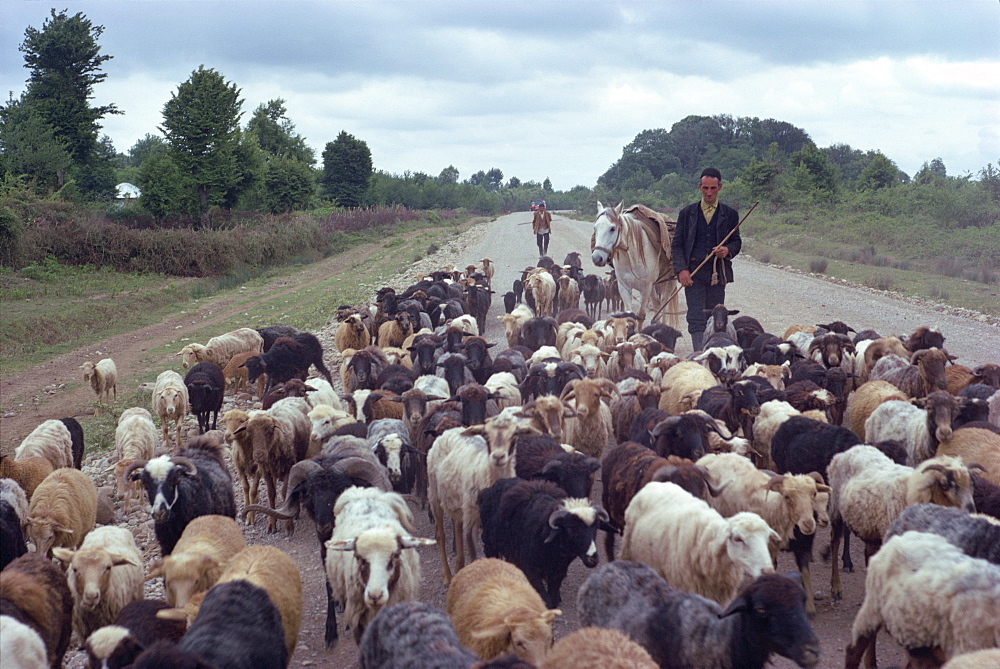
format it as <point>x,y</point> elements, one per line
<point>600,207</point>
<point>620,207</point>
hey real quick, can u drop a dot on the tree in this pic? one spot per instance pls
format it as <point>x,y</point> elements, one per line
<point>989,179</point>
<point>29,146</point>
<point>449,175</point>
<point>143,147</point>
<point>760,178</point>
<point>162,184</point>
<point>880,172</point>
<point>547,185</point>
<point>347,169</point>
<point>289,185</point>
<point>276,133</point>
<point>493,179</point>
<point>933,172</point>
<point>812,172</point>
<point>513,182</point>
<point>201,124</point>
<point>65,61</point>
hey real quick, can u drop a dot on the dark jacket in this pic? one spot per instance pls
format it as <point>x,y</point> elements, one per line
<point>541,219</point>
<point>682,245</point>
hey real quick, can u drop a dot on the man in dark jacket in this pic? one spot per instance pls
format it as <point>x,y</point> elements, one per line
<point>700,229</point>
<point>541,225</point>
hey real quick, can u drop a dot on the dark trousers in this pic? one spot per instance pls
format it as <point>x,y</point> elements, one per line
<point>702,296</point>
<point>543,243</point>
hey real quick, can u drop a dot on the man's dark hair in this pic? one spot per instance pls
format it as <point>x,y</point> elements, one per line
<point>712,173</point>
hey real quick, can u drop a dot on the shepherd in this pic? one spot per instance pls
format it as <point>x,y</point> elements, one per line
<point>701,229</point>
<point>541,225</point>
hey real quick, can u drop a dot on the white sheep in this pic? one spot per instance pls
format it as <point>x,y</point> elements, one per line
<point>591,428</point>
<point>12,493</point>
<point>624,357</point>
<point>50,440</point>
<point>466,323</point>
<point>504,385</point>
<point>462,463</point>
<point>135,439</point>
<point>784,502</point>
<point>513,321</point>
<point>592,359</point>
<point>325,420</point>
<point>104,575</point>
<point>20,645</point>
<point>103,378</point>
<point>776,375</point>
<point>869,491</point>
<point>542,286</point>
<point>170,402</point>
<point>921,428</point>
<point>222,348</point>
<point>322,393</point>
<point>370,563</point>
<point>691,545</point>
<point>682,386</point>
<point>927,593</point>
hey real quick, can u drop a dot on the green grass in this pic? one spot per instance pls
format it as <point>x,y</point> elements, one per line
<point>51,309</point>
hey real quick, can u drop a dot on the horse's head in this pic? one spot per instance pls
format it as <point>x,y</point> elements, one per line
<point>606,230</point>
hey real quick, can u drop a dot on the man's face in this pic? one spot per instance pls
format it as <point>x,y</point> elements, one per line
<point>710,188</point>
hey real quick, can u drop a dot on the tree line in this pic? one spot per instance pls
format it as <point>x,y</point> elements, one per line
<point>205,157</point>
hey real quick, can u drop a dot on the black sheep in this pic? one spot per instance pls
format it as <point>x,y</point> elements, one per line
<point>12,544</point>
<point>76,435</point>
<point>413,634</point>
<point>206,385</point>
<point>680,629</point>
<point>193,483</point>
<point>135,629</point>
<point>541,531</point>
<point>541,457</point>
<point>664,334</point>
<point>641,429</point>
<point>685,436</point>
<point>238,626</point>
<point>736,405</point>
<point>977,537</point>
<point>538,332</point>
<point>288,358</point>
<point>271,333</point>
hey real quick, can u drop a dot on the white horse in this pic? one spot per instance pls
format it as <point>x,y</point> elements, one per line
<point>640,261</point>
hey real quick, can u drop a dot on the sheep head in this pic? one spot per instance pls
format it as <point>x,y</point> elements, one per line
<point>943,480</point>
<point>90,571</point>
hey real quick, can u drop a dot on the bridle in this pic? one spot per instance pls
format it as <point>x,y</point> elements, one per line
<point>617,245</point>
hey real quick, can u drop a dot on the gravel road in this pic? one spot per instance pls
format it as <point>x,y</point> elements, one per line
<point>774,296</point>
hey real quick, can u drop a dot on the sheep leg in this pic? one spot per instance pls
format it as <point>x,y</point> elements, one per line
<point>871,547</point>
<point>252,515</point>
<point>330,636</point>
<point>847,562</point>
<point>609,546</point>
<point>272,493</point>
<point>166,436</point>
<point>864,646</point>
<point>179,423</point>
<point>442,545</point>
<point>836,531</point>
<point>802,560</point>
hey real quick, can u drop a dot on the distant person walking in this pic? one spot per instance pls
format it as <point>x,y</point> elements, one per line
<point>700,228</point>
<point>541,225</point>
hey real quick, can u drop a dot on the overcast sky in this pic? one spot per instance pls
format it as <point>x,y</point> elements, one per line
<point>557,89</point>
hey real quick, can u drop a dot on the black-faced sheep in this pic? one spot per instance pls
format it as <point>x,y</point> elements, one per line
<point>539,529</point>
<point>542,457</point>
<point>193,483</point>
<point>684,630</point>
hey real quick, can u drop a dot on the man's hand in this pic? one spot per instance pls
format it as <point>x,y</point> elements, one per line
<point>684,277</point>
<point>721,251</point>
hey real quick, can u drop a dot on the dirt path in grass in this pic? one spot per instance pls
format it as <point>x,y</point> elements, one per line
<point>42,391</point>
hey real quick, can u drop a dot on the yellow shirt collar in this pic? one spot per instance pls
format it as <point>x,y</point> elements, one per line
<point>708,210</point>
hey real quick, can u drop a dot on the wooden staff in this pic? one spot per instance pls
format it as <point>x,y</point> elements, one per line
<point>707,258</point>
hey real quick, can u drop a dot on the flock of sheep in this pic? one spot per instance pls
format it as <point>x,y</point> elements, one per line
<point>708,466</point>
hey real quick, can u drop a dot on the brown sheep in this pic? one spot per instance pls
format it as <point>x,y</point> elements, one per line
<point>924,374</point>
<point>394,332</point>
<point>39,597</point>
<point>236,374</point>
<point>975,446</point>
<point>28,472</point>
<point>960,376</point>
<point>352,333</point>
<point>598,648</point>
<point>880,348</point>
<point>495,610</point>
<point>247,471</point>
<point>924,337</point>
<point>865,400</point>
<point>62,510</point>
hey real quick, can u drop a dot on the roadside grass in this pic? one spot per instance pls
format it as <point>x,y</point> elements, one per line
<point>906,278</point>
<point>50,309</point>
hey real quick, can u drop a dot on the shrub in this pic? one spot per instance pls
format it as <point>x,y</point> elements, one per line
<point>764,257</point>
<point>818,265</point>
<point>949,266</point>
<point>881,281</point>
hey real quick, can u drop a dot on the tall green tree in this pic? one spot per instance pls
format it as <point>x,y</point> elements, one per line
<point>347,170</point>
<point>276,134</point>
<point>449,175</point>
<point>811,172</point>
<point>201,124</point>
<point>880,172</point>
<point>162,184</point>
<point>143,147</point>
<point>29,146</point>
<point>65,63</point>
<point>289,185</point>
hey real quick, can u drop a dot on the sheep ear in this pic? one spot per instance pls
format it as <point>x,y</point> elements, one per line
<point>341,545</point>
<point>155,570</point>
<point>118,560</point>
<point>415,542</point>
<point>171,614</point>
<point>495,631</point>
<point>64,555</point>
<point>738,605</point>
<point>475,430</point>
